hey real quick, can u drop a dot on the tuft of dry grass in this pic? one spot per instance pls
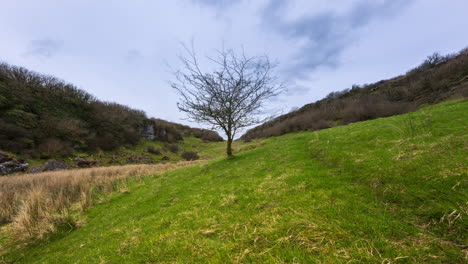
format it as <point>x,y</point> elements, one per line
<point>34,205</point>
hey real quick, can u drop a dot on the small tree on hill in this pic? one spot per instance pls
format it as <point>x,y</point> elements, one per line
<point>231,96</point>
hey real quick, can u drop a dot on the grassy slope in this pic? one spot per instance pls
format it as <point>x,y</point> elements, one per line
<point>391,189</point>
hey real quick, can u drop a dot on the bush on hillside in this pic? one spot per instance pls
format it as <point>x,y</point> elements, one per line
<point>174,148</point>
<point>436,79</point>
<point>153,150</point>
<point>190,155</point>
<point>37,108</point>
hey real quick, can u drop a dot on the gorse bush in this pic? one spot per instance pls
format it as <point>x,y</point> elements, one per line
<point>436,79</point>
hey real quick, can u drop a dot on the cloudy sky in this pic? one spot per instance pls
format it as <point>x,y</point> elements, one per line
<point>119,50</point>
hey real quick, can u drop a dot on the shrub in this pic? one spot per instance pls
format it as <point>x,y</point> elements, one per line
<point>153,150</point>
<point>436,79</point>
<point>51,108</point>
<point>53,147</point>
<point>36,107</point>
<point>190,155</point>
<point>166,131</point>
<point>206,135</point>
<point>320,124</point>
<point>174,148</point>
<point>20,118</point>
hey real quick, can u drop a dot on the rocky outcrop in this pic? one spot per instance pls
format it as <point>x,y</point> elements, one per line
<point>36,170</point>
<point>52,165</point>
<point>147,131</point>
<point>160,130</point>
<point>9,164</point>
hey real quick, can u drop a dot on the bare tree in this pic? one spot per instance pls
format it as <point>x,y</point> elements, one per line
<point>231,96</point>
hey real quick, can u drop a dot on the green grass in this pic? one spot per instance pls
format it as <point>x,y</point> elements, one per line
<point>120,155</point>
<point>391,190</point>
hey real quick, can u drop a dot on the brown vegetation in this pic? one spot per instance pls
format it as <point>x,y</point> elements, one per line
<point>190,155</point>
<point>174,148</point>
<point>171,132</point>
<point>438,78</point>
<point>34,205</point>
<point>153,150</point>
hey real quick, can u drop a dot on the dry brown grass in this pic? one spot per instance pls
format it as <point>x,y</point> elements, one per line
<point>34,205</point>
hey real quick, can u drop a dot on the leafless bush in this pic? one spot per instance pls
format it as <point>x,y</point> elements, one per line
<point>53,147</point>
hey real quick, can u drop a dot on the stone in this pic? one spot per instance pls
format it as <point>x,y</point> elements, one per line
<point>36,170</point>
<point>9,164</point>
<point>147,131</point>
<point>83,163</point>
<point>52,165</point>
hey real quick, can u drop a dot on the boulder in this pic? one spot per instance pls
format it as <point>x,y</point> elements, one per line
<point>36,170</point>
<point>9,164</point>
<point>83,163</point>
<point>52,165</point>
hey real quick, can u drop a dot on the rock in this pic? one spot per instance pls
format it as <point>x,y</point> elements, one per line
<point>83,163</point>
<point>9,164</point>
<point>36,170</point>
<point>13,166</point>
<point>52,165</point>
<point>159,130</point>
<point>165,158</point>
<point>147,131</point>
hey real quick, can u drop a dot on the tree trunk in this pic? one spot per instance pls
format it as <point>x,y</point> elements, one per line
<point>228,147</point>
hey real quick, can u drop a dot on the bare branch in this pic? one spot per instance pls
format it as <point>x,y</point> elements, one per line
<point>231,96</point>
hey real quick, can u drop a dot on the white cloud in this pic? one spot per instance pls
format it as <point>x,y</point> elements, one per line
<point>117,50</point>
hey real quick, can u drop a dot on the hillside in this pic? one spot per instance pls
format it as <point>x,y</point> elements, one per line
<point>42,117</point>
<point>390,190</point>
<point>437,79</point>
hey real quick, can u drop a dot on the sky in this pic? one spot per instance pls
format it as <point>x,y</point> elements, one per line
<point>123,51</point>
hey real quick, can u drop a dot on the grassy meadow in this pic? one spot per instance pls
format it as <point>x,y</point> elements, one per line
<point>390,190</point>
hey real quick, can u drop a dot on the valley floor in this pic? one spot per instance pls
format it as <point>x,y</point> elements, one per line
<point>391,190</point>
